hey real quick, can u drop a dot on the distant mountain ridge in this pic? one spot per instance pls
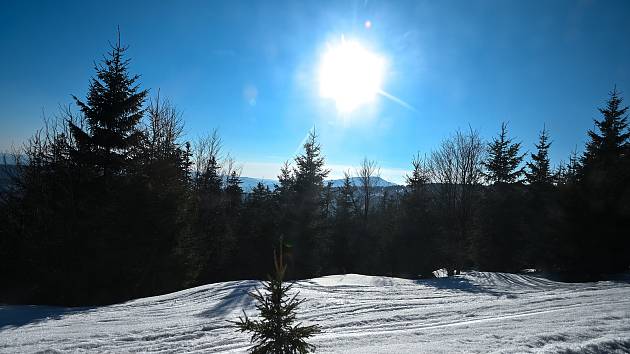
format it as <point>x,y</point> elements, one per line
<point>249,183</point>
<point>356,181</point>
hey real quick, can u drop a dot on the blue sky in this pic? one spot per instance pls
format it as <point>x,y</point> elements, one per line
<point>249,68</point>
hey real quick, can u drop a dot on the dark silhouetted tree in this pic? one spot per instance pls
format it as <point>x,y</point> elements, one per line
<point>112,110</point>
<point>306,217</point>
<point>418,250</point>
<point>539,168</point>
<point>211,240</point>
<point>455,167</point>
<point>609,146</point>
<point>504,158</point>
<point>541,214</point>
<point>604,180</point>
<point>233,190</point>
<point>344,227</point>
<point>502,210</point>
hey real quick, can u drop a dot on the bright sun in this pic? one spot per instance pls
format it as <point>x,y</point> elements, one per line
<point>351,75</point>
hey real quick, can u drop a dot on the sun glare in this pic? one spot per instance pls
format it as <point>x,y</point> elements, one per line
<point>350,75</point>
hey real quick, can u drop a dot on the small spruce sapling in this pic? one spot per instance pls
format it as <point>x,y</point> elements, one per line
<point>276,332</point>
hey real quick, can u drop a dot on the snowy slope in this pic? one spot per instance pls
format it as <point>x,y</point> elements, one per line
<point>475,312</point>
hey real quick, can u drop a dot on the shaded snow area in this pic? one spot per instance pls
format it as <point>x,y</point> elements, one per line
<point>474,312</point>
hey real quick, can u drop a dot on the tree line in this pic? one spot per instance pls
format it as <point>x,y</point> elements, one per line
<point>110,203</point>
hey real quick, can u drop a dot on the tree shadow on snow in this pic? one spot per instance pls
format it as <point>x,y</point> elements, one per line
<point>457,283</point>
<point>236,299</point>
<point>20,315</point>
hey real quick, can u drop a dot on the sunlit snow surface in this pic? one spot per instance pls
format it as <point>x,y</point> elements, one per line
<point>475,312</point>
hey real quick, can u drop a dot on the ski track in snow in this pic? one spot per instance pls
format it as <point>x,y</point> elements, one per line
<point>475,312</point>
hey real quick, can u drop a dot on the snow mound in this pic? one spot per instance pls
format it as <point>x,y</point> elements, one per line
<point>354,280</point>
<point>472,312</point>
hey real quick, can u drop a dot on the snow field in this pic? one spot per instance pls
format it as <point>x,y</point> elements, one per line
<point>475,312</point>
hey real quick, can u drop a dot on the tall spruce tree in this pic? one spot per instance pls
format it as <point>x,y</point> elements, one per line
<point>539,233</point>
<point>502,210</point>
<point>609,147</point>
<point>309,171</point>
<point>110,195</point>
<point>504,158</point>
<point>112,110</point>
<point>604,184</point>
<point>308,215</point>
<point>539,169</point>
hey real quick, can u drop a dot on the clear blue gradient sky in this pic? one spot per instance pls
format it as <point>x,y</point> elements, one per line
<point>249,68</point>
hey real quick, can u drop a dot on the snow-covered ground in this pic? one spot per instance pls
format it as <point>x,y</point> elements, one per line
<point>475,312</point>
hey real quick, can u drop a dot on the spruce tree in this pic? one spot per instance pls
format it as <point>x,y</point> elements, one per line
<point>540,202</point>
<point>416,197</point>
<point>210,179</point>
<point>112,110</point>
<point>276,331</point>
<point>539,170</point>
<point>309,171</point>
<point>604,181</point>
<point>233,190</point>
<point>609,147</point>
<point>504,158</point>
<point>502,208</point>
<point>305,221</point>
<point>346,202</point>
<point>110,195</point>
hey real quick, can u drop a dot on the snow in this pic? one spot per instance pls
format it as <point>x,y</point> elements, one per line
<point>473,312</point>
